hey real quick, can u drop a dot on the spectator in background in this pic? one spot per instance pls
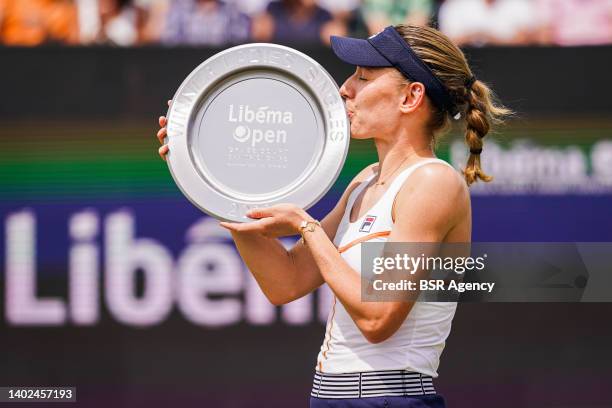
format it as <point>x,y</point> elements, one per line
<point>111,22</point>
<point>35,22</point>
<point>435,13</point>
<point>89,21</point>
<point>480,22</point>
<point>575,22</point>
<point>250,7</point>
<point>118,23</point>
<point>348,14</point>
<point>204,22</point>
<point>150,19</point>
<point>296,22</point>
<point>379,14</point>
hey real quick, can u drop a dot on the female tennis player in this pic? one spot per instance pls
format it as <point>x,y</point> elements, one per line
<point>409,83</point>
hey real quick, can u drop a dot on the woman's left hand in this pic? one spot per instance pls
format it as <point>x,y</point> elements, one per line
<point>276,221</point>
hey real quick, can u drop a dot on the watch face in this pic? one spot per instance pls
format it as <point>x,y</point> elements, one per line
<point>254,126</point>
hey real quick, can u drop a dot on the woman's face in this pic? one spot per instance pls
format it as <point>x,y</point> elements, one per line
<point>372,97</point>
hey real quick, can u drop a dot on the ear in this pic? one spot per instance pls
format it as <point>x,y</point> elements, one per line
<point>412,96</point>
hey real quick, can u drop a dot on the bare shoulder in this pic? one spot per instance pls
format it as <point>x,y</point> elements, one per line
<point>435,186</point>
<point>432,201</point>
<point>439,178</point>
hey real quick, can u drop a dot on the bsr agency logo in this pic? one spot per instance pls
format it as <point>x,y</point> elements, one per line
<point>255,126</point>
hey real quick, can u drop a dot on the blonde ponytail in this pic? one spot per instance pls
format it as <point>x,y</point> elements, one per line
<point>480,113</point>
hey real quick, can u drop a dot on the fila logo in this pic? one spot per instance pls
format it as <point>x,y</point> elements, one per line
<point>366,225</point>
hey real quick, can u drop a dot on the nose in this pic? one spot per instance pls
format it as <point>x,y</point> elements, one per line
<point>346,90</point>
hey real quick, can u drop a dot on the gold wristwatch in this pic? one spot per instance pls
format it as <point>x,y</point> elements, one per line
<point>308,226</point>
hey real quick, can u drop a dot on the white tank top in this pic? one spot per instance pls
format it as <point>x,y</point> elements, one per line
<point>418,343</point>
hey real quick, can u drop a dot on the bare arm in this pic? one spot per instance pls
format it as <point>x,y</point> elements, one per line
<point>288,275</point>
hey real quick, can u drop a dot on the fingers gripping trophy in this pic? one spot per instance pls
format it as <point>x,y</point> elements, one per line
<point>256,126</point>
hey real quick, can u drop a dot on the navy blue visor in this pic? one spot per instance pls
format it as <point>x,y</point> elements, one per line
<point>389,49</point>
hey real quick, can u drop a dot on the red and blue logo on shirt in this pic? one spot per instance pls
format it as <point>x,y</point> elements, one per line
<point>366,225</point>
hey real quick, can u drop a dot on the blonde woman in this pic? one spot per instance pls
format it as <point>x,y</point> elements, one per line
<point>409,83</point>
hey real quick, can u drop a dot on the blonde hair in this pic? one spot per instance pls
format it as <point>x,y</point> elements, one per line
<point>474,100</point>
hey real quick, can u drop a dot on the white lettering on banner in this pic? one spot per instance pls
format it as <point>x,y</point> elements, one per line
<point>601,161</point>
<point>208,281</point>
<point>210,269</point>
<point>526,167</point>
<point>83,272</point>
<point>298,312</point>
<point>22,306</point>
<point>124,256</point>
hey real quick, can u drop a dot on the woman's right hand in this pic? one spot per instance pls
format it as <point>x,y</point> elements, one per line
<point>161,134</point>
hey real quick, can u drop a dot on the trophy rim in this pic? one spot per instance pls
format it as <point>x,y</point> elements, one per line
<point>208,77</point>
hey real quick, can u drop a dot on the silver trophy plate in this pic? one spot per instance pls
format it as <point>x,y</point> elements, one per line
<point>256,125</point>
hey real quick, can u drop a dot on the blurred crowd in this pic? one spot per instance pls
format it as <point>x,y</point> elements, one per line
<point>225,22</point>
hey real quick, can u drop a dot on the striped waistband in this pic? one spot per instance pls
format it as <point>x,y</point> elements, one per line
<point>371,384</point>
